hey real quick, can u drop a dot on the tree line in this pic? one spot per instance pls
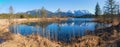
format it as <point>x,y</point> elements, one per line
<point>111,8</point>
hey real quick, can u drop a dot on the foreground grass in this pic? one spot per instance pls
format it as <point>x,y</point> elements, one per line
<point>107,37</point>
<point>89,40</point>
<point>17,40</point>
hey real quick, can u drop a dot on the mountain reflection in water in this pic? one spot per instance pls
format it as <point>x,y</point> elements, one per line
<point>60,31</point>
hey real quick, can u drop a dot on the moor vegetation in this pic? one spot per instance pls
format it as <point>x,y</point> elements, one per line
<point>103,37</point>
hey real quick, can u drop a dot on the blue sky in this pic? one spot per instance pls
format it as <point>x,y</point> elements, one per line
<point>51,5</point>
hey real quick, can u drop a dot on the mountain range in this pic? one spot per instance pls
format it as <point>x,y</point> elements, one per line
<point>68,13</point>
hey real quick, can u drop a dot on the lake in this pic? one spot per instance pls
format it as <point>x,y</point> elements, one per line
<point>60,31</point>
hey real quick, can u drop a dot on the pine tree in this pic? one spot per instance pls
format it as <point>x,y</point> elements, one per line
<point>43,12</point>
<point>118,9</point>
<point>11,11</point>
<point>110,7</point>
<point>59,12</point>
<point>97,10</point>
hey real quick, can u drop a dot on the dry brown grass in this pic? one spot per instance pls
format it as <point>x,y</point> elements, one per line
<point>17,40</point>
<point>86,41</point>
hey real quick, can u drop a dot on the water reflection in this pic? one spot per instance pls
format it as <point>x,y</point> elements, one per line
<point>59,31</point>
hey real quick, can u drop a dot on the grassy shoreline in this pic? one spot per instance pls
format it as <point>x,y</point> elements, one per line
<point>7,22</point>
<point>103,37</point>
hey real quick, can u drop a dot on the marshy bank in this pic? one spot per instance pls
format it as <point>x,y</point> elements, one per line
<point>5,23</point>
<point>101,37</point>
<point>8,39</point>
<point>105,37</point>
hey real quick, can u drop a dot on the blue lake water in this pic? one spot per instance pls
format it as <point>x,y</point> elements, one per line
<point>62,30</point>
